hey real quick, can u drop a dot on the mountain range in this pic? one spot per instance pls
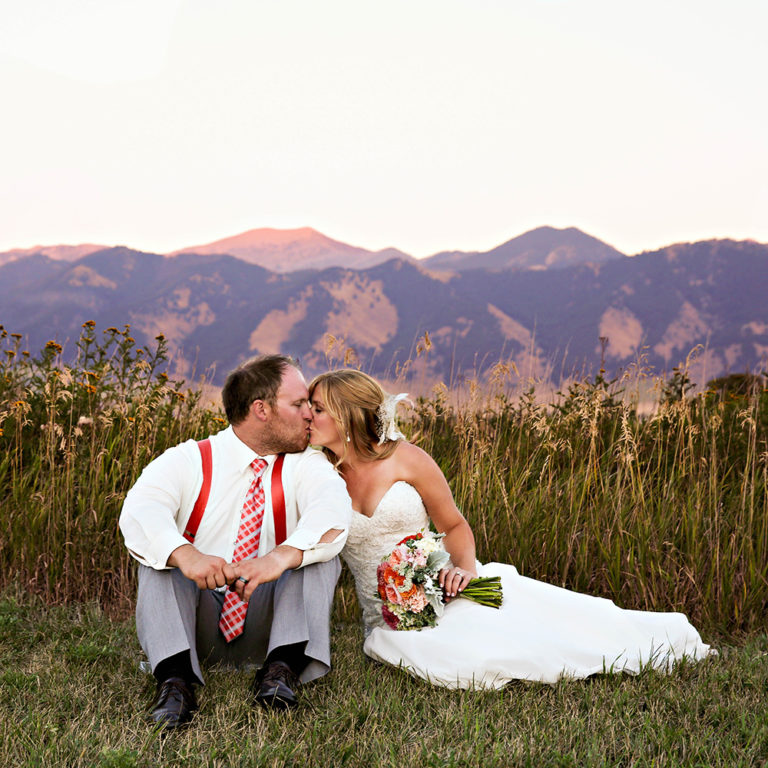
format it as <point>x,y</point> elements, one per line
<point>541,300</point>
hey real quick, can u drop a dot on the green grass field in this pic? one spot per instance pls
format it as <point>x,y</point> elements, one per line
<point>666,512</point>
<point>71,694</point>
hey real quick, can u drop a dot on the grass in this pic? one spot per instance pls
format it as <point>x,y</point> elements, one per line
<point>658,513</point>
<point>666,512</point>
<point>73,437</point>
<point>71,694</point>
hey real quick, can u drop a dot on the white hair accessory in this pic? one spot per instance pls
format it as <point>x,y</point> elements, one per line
<point>386,417</point>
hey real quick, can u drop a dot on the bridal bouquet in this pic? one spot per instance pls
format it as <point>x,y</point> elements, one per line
<point>409,587</point>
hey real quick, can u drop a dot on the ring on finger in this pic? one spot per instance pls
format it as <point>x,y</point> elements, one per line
<point>243,579</point>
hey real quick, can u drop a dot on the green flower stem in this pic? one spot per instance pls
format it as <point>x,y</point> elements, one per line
<point>485,590</point>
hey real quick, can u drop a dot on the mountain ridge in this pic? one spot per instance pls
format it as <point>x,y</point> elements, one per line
<point>286,250</point>
<point>219,310</point>
<point>540,248</point>
<point>57,252</point>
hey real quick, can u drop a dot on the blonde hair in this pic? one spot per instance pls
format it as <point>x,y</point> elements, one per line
<point>352,399</point>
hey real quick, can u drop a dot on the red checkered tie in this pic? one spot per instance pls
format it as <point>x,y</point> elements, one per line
<point>232,619</point>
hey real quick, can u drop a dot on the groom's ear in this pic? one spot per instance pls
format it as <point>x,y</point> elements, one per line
<point>260,410</point>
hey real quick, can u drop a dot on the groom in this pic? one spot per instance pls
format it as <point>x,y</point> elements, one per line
<point>238,538</point>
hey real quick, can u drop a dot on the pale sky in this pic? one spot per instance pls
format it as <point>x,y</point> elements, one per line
<point>424,125</point>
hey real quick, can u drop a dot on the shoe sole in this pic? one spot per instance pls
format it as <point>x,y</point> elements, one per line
<point>169,723</point>
<point>276,702</point>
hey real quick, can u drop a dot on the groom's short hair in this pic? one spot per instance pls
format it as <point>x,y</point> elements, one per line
<point>256,379</point>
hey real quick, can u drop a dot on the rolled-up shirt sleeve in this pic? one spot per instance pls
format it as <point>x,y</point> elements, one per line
<point>155,508</point>
<point>323,505</point>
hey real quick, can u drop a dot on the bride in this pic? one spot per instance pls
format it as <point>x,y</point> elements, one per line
<point>541,632</point>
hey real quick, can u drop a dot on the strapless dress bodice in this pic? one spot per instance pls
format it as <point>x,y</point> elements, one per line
<point>400,513</point>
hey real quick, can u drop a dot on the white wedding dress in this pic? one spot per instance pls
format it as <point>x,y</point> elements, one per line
<point>541,633</point>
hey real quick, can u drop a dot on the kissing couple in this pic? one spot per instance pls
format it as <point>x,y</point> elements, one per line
<point>238,537</point>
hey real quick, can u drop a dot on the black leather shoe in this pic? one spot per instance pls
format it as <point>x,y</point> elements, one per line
<point>273,686</point>
<point>174,703</point>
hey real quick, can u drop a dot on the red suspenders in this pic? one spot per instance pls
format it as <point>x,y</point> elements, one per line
<point>202,499</point>
<point>278,497</point>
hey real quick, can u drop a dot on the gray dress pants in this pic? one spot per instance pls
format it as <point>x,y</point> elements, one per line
<point>173,615</point>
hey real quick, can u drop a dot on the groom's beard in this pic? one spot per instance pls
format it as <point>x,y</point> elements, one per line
<point>283,437</point>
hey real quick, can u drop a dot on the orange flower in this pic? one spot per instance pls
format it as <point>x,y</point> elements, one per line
<point>409,593</point>
<point>392,576</point>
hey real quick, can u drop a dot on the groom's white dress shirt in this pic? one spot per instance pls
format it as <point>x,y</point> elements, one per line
<point>158,506</point>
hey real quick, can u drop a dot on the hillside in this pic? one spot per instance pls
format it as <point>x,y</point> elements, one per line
<point>218,310</point>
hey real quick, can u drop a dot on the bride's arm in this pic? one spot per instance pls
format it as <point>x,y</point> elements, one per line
<point>423,473</point>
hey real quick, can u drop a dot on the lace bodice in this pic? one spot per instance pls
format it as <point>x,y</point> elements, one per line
<point>400,512</point>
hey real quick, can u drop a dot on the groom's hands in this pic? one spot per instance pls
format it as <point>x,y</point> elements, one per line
<point>210,571</point>
<point>248,574</point>
<point>207,571</point>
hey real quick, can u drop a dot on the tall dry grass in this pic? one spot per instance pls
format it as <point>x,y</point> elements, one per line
<point>73,438</point>
<point>668,512</point>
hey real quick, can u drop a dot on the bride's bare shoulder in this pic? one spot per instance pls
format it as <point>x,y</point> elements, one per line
<point>412,460</point>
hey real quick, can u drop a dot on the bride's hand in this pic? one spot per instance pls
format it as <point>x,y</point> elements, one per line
<point>453,581</point>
